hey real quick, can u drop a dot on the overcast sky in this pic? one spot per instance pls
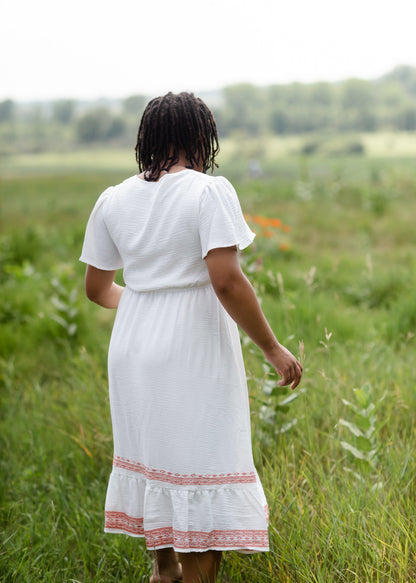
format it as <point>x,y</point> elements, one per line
<point>96,48</point>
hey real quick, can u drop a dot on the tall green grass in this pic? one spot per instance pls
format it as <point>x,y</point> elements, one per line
<point>341,283</point>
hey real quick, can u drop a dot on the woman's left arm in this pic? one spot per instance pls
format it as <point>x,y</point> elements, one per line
<point>101,288</point>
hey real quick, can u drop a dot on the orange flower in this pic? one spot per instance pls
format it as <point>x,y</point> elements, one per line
<point>265,223</point>
<point>284,247</point>
<point>275,223</point>
<point>262,221</point>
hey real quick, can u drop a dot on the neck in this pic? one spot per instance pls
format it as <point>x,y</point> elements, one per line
<point>182,164</point>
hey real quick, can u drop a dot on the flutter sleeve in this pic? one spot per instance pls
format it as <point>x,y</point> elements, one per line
<point>221,220</point>
<point>99,249</point>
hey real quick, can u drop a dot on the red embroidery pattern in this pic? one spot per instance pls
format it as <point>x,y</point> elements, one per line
<point>224,539</point>
<point>122,521</point>
<point>266,511</point>
<point>184,479</point>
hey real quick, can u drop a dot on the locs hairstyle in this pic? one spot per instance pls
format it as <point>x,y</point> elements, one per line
<point>172,124</point>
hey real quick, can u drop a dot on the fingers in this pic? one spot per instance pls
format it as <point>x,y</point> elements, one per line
<point>286,365</point>
<point>292,376</point>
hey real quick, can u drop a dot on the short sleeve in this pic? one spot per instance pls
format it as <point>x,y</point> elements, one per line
<point>99,249</point>
<point>221,220</point>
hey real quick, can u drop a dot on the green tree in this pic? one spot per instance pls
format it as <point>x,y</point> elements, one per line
<point>7,111</point>
<point>243,109</point>
<point>298,107</point>
<point>278,117</point>
<point>321,94</point>
<point>356,94</point>
<point>134,105</point>
<point>405,75</point>
<point>115,128</point>
<point>406,117</point>
<point>99,125</point>
<point>357,105</point>
<point>63,111</point>
<point>278,120</point>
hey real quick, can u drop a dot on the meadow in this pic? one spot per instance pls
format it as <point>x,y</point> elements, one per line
<point>335,267</point>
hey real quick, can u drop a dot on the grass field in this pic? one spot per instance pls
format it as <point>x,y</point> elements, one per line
<point>337,282</point>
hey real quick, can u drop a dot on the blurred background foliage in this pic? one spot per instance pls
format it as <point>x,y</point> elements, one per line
<point>354,105</point>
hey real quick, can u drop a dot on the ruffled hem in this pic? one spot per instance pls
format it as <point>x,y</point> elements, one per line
<point>189,519</point>
<point>190,541</point>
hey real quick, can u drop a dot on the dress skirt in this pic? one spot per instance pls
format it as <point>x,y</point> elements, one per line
<point>183,473</point>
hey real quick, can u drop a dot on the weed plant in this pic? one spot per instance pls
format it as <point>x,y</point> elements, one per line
<point>338,288</point>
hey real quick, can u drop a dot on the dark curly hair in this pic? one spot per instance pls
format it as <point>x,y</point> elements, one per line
<point>172,124</point>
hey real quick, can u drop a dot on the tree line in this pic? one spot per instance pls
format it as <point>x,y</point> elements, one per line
<point>353,105</point>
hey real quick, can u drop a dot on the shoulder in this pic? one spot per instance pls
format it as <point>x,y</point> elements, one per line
<point>209,186</point>
<point>129,184</point>
<point>209,180</point>
<point>113,193</point>
<point>218,188</point>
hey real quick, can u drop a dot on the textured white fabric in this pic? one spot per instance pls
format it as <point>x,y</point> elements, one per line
<point>158,231</point>
<point>183,472</point>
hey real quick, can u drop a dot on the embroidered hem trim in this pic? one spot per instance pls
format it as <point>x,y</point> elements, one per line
<point>184,540</point>
<point>184,479</point>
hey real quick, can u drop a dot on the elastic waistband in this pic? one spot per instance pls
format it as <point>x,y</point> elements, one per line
<point>185,288</point>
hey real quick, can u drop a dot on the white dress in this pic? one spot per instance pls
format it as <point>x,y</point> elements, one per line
<point>183,473</point>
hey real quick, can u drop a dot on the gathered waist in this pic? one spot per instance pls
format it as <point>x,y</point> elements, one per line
<point>171,289</point>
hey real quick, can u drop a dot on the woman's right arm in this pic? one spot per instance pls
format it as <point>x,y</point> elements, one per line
<point>101,288</point>
<point>238,297</point>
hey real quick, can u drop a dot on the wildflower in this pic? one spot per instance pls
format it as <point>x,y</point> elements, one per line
<point>261,221</point>
<point>267,225</point>
<point>276,223</point>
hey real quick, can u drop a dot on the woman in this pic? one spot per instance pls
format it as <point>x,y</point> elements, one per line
<point>183,474</point>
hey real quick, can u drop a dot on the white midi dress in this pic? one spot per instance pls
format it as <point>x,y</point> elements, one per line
<point>183,473</point>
